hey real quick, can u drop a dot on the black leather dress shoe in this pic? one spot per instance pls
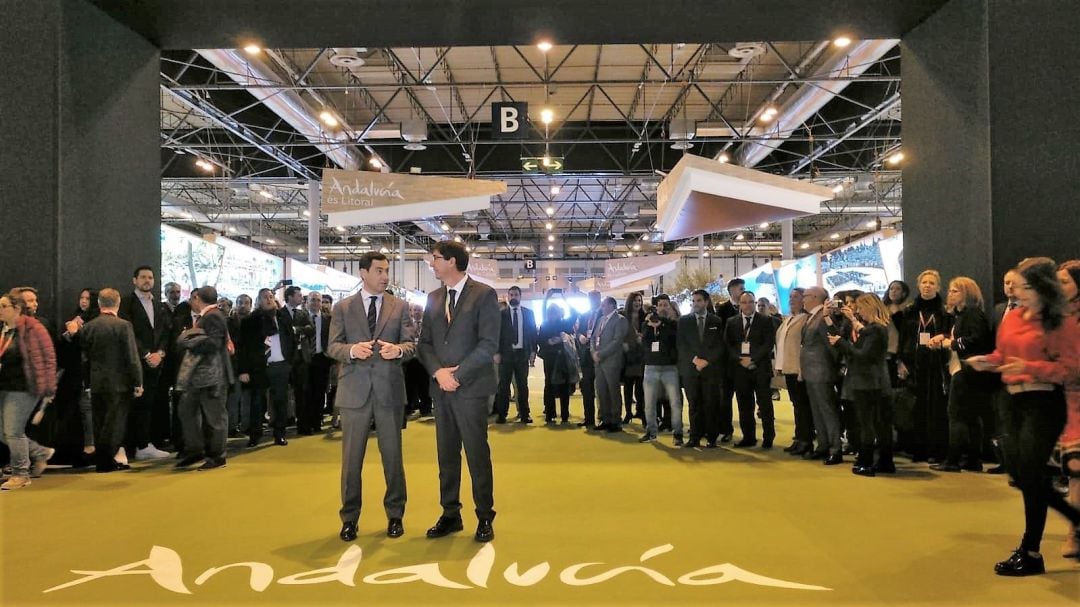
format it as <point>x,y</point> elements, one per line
<point>120,466</point>
<point>998,469</point>
<point>863,470</point>
<point>1019,564</point>
<point>766,443</point>
<point>525,420</point>
<point>394,528</point>
<point>885,468</point>
<point>348,531</point>
<point>188,461</point>
<point>586,425</point>
<point>746,442</point>
<point>945,467</point>
<point>725,438</point>
<point>484,532</point>
<point>834,459</point>
<point>692,444</point>
<point>280,442</point>
<point>210,464</point>
<point>500,420</point>
<point>811,455</point>
<point>444,526</point>
<point>613,428</point>
<point>252,443</point>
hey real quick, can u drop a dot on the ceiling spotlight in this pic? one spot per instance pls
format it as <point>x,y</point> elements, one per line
<point>364,239</point>
<point>551,238</point>
<point>445,226</point>
<point>838,188</point>
<point>805,245</point>
<point>872,223</point>
<point>266,194</point>
<point>842,42</point>
<point>719,247</point>
<point>896,158</point>
<point>549,225</point>
<point>740,237</point>
<point>546,116</point>
<point>340,228</point>
<point>545,46</point>
<point>375,162</point>
<point>705,254</point>
<point>551,247</point>
<point>457,239</point>
<point>629,254</point>
<point>270,241</point>
<point>550,211</point>
<point>384,250</point>
<point>468,248</point>
<point>186,215</point>
<point>555,190</point>
<point>764,225</point>
<point>551,255</point>
<point>307,213</point>
<point>770,111</point>
<point>252,49</point>
<point>204,165</point>
<point>834,236</point>
<point>300,250</point>
<point>232,230</point>
<point>637,247</point>
<point>328,119</point>
<point>723,157</point>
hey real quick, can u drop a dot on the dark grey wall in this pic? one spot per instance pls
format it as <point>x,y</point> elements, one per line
<point>992,138</point>
<point>81,119</point>
<point>947,196</point>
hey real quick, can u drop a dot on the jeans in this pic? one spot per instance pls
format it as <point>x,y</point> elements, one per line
<point>15,411</point>
<point>666,378</point>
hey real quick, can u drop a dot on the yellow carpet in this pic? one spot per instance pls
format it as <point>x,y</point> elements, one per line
<point>764,523</point>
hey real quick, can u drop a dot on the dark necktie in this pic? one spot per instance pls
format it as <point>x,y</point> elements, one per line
<point>514,325</point>
<point>701,328</point>
<point>746,325</point>
<point>453,302</point>
<point>371,316</point>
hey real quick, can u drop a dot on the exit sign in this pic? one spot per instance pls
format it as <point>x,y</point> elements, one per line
<point>542,164</point>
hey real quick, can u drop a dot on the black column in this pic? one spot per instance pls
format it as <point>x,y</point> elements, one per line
<point>992,138</point>
<point>80,183</point>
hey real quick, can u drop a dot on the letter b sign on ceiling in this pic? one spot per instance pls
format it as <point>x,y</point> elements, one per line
<point>509,120</point>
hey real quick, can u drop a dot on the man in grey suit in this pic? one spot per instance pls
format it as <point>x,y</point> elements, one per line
<point>607,355</point>
<point>818,365</point>
<point>370,336</point>
<point>458,346</point>
<point>108,345</point>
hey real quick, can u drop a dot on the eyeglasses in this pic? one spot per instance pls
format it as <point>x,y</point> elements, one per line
<point>438,257</point>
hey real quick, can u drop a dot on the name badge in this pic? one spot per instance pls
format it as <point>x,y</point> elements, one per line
<point>655,346</point>
<point>745,351</point>
<point>924,339</point>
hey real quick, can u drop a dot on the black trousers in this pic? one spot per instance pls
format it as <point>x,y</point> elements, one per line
<point>726,394</point>
<point>873,416</point>
<point>800,403</point>
<point>278,376</point>
<point>318,377</point>
<point>1036,420</point>
<point>930,418</point>
<point>556,391</point>
<point>754,385</point>
<point>143,412</point>
<point>298,382</point>
<point>588,393</point>
<point>702,393</point>
<point>205,422</point>
<point>968,402</point>
<point>634,387</point>
<point>514,367</point>
<point>417,388</point>
<point>161,415</point>
<point>110,424</point>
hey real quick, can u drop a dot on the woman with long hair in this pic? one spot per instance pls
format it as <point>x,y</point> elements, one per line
<point>969,390</point>
<point>27,374</point>
<point>1069,276</point>
<point>71,417</point>
<point>1037,354</point>
<point>897,299</point>
<point>634,367</point>
<point>557,371</point>
<point>867,379</point>
<point>924,369</point>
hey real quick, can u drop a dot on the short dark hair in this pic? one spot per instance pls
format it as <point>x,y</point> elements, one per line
<point>139,269</point>
<point>798,290</point>
<point>611,301</point>
<point>663,296</point>
<point>207,294</point>
<point>703,293</point>
<point>450,249</point>
<point>514,288</point>
<point>328,297</point>
<point>290,291</point>
<point>370,256</point>
<point>735,282</point>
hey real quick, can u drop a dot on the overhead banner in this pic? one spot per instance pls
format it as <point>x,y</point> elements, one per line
<point>365,197</point>
<point>618,272</point>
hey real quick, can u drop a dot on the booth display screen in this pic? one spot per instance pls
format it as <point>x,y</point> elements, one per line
<point>858,265</point>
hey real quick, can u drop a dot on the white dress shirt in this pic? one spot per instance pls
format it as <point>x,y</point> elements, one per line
<point>367,295</point>
<point>147,301</point>
<point>457,293</point>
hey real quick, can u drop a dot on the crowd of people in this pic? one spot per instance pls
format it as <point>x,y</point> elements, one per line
<point>931,377</point>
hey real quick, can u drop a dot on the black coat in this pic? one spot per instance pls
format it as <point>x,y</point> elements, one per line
<point>149,338</point>
<point>762,338</point>
<point>507,336</point>
<point>711,348</point>
<point>251,346</point>
<point>866,367</point>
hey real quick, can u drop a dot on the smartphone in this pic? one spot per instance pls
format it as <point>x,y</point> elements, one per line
<point>287,282</point>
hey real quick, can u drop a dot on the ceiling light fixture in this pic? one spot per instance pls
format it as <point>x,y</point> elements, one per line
<point>457,239</point>
<point>232,230</point>
<point>550,211</point>
<point>896,158</point>
<point>445,226</point>
<point>834,236</point>
<point>307,213</point>
<point>375,162</point>
<point>555,190</point>
<point>551,247</point>
<point>764,225</point>
<point>300,250</point>
<point>266,194</point>
<point>838,188</point>
<point>740,237</point>
<point>637,247</point>
<point>719,247</point>
<point>723,157</point>
<point>204,165</point>
<point>872,223</point>
<point>551,238</point>
<point>546,116</point>
<point>384,250</point>
<point>842,42</point>
<point>545,46</point>
<point>252,49</point>
<point>549,225</point>
<point>805,245</point>
<point>270,241</point>
<point>364,239</point>
<point>340,228</point>
<point>328,119</point>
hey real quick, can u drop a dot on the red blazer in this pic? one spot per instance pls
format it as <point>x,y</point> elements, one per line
<point>39,357</point>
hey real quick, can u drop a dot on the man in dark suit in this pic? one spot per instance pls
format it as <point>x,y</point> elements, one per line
<point>108,346</point>
<point>371,336</point>
<point>818,363</point>
<point>608,357</point>
<point>204,378</point>
<point>152,323</point>
<point>318,365</point>
<point>726,310</point>
<point>458,345</point>
<point>749,338</point>
<point>265,352</point>
<point>517,351</point>
<point>303,336</point>
<point>701,347</point>
<point>585,325</point>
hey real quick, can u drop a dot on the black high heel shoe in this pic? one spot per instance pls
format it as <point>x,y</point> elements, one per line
<point>1020,564</point>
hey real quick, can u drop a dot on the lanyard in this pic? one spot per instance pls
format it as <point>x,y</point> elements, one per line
<point>924,324</point>
<point>8,337</point>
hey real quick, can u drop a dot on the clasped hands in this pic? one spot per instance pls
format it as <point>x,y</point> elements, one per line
<point>366,349</point>
<point>446,379</point>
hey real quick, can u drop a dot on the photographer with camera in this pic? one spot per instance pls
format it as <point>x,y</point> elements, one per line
<point>660,342</point>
